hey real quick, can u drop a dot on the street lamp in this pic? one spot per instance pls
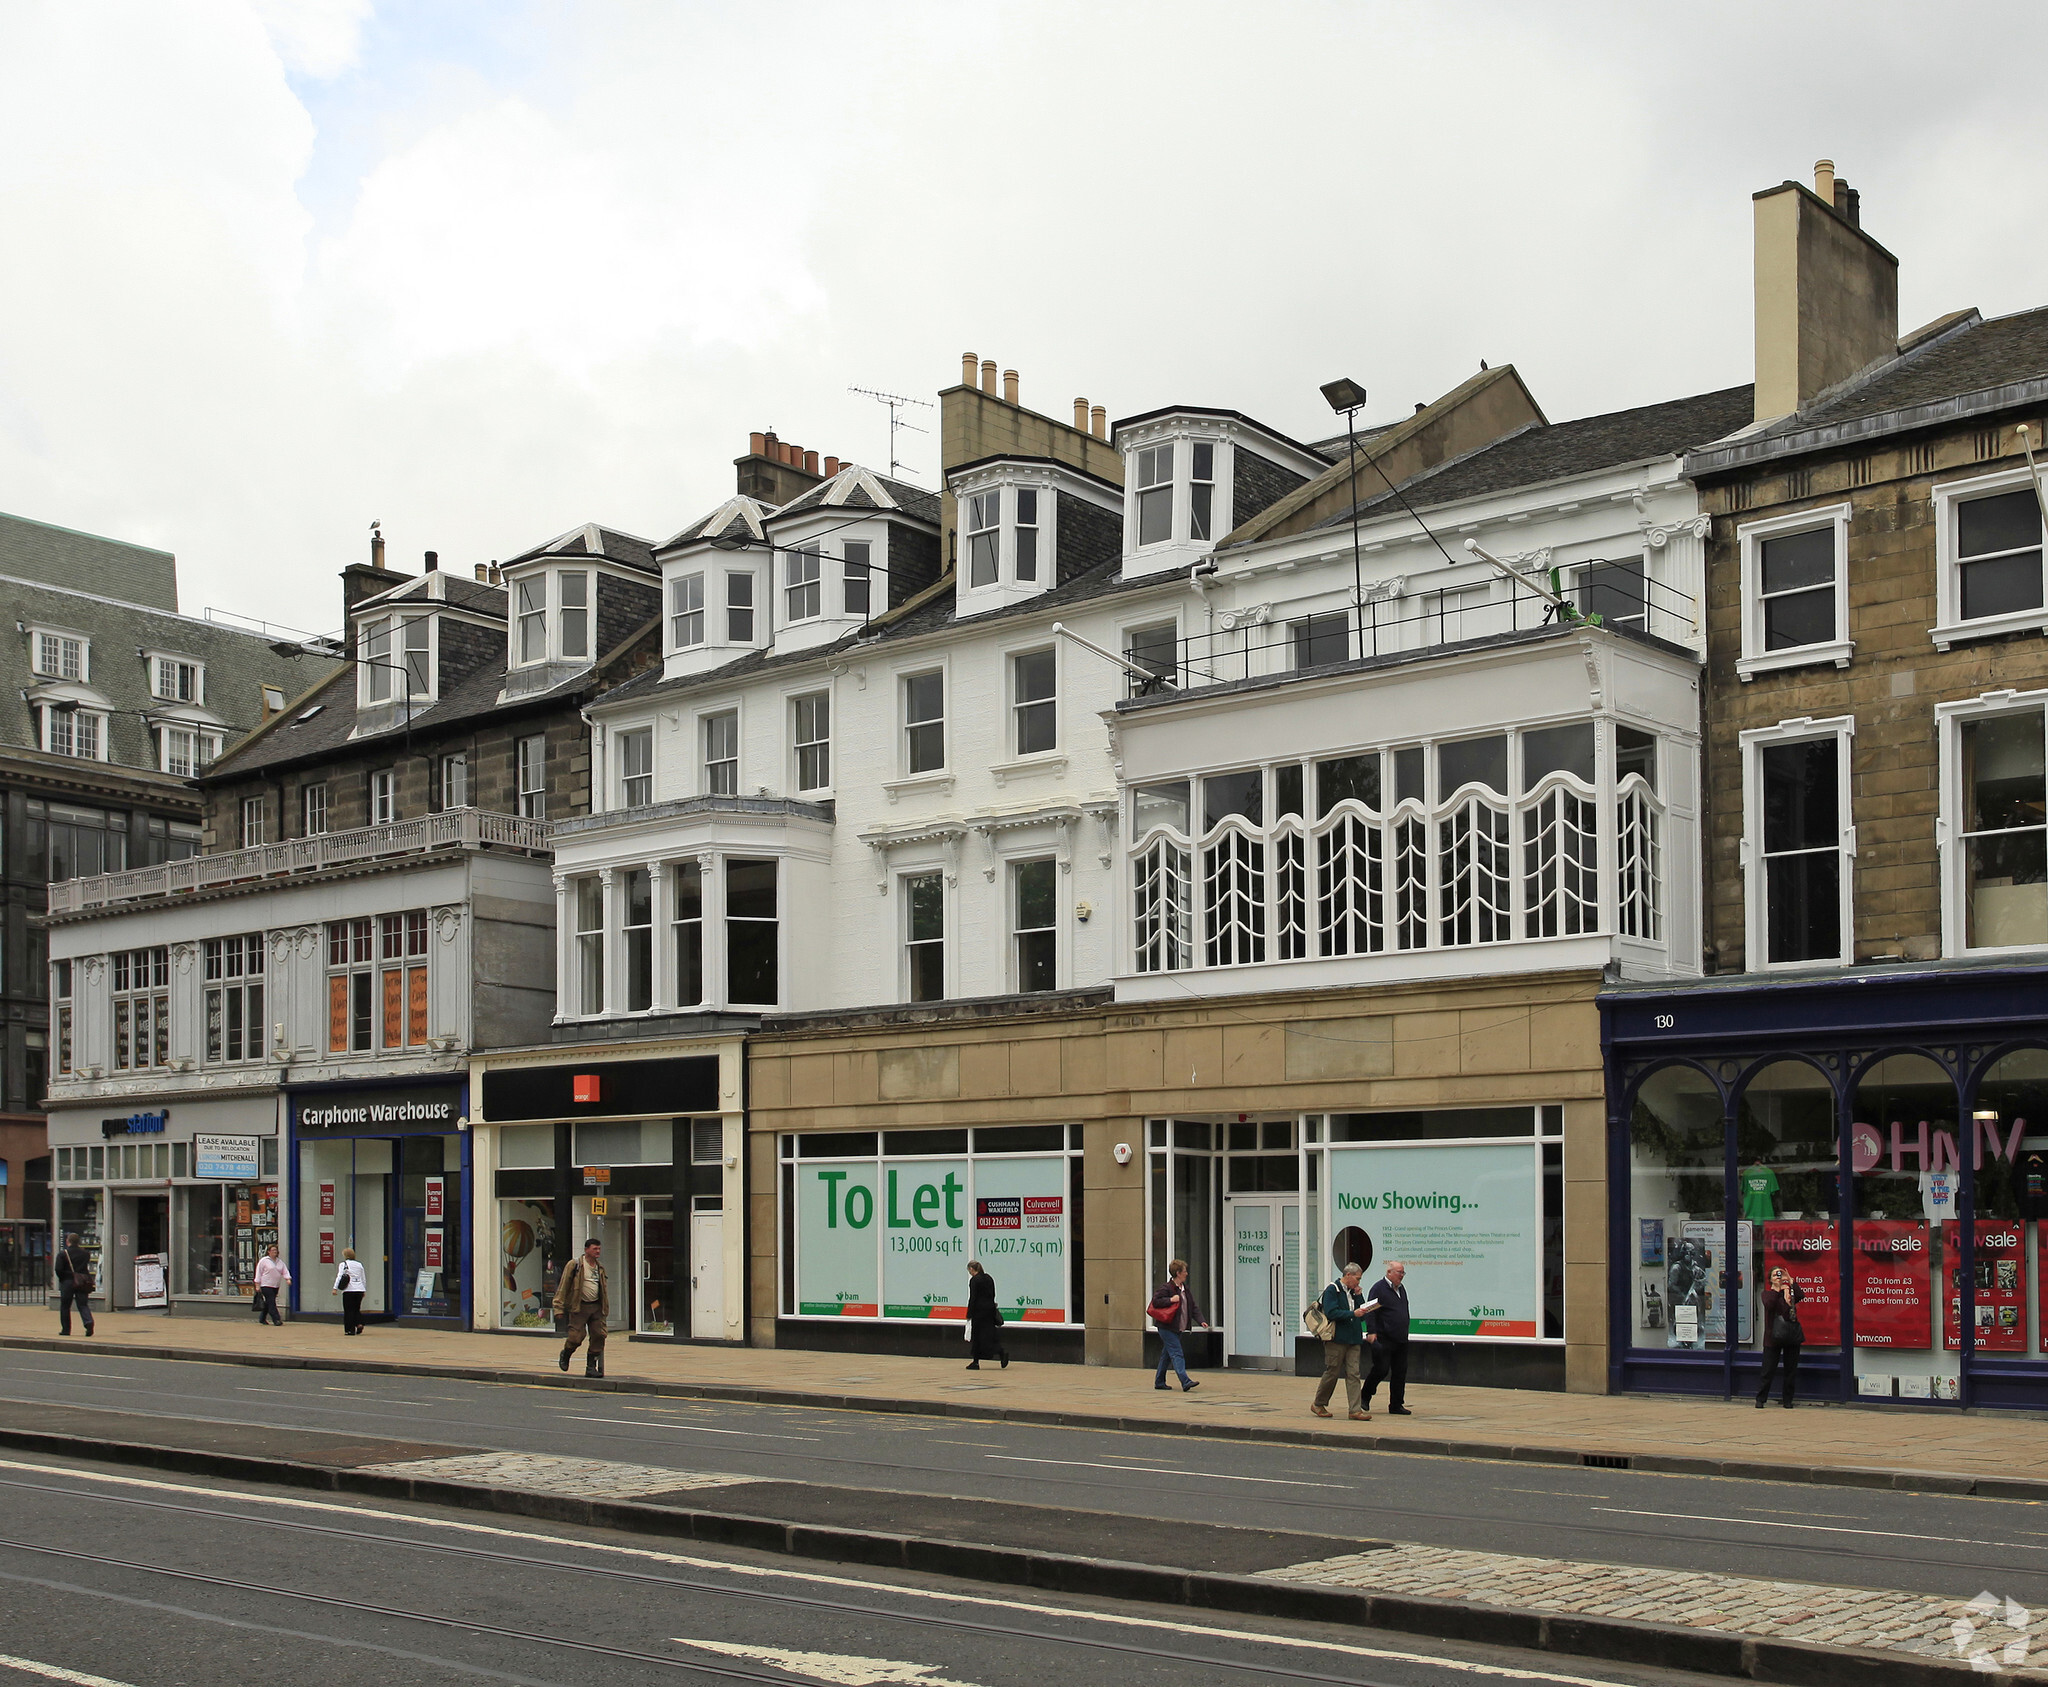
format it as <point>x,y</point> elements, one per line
<point>287,648</point>
<point>1349,397</point>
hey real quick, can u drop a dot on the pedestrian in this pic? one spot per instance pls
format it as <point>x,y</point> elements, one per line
<point>1346,1310</point>
<point>351,1282</point>
<point>1173,1311</point>
<point>583,1301</point>
<point>1783,1335</point>
<point>1386,1328</point>
<point>984,1318</point>
<point>74,1284</point>
<point>271,1275</point>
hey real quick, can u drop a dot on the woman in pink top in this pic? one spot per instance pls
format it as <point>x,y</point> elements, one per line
<point>271,1275</point>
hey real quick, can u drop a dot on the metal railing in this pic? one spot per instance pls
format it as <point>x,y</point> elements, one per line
<point>1386,626</point>
<point>24,1263</point>
<point>456,828</point>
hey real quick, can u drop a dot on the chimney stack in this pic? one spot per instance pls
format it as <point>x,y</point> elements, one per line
<point>1080,415</point>
<point>433,561</point>
<point>988,374</point>
<point>968,364</point>
<point>1098,422</point>
<point>1009,386</point>
<point>1827,295</point>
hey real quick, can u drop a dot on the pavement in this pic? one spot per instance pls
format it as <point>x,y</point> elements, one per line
<point>1938,1448</point>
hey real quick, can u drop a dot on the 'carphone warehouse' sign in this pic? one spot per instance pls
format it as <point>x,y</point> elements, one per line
<point>375,1111</point>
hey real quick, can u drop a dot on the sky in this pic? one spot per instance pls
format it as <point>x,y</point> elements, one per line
<point>484,270</point>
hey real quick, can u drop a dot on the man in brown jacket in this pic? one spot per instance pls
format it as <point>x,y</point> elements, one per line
<point>583,1301</point>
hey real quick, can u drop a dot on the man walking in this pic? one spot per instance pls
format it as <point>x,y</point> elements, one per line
<point>1388,1325</point>
<point>583,1301</point>
<point>1346,1309</point>
<point>74,1285</point>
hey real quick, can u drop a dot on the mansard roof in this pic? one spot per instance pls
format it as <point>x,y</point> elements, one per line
<point>738,517</point>
<point>591,540</point>
<point>856,488</point>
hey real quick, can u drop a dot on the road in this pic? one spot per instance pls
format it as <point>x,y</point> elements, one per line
<point>111,1576</point>
<point>1838,1536</point>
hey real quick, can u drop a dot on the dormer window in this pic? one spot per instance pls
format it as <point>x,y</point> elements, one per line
<point>984,537</point>
<point>1201,488</point>
<point>568,617</point>
<point>186,750</point>
<point>74,732</point>
<point>803,594</point>
<point>739,608</point>
<point>686,611</point>
<point>574,623</point>
<point>60,656</point>
<point>397,657</point>
<point>176,681</point>
<point>1027,533</point>
<point>533,619</point>
<point>1154,482</point>
<point>858,575</point>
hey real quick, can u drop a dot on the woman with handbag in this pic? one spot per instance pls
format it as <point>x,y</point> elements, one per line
<point>1172,1309</point>
<point>352,1282</point>
<point>984,1318</point>
<point>1783,1336</point>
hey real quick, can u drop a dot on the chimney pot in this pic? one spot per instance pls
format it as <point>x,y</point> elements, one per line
<point>482,573</point>
<point>1824,180</point>
<point>433,561</point>
<point>988,374</point>
<point>376,544</point>
<point>1009,386</point>
<point>810,462</point>
<point>1080,415</point>
<point>1098,422</point>
<point>968,364</point>
<point>772,445</point>
<point>757,445</point>
<point>831,467</point>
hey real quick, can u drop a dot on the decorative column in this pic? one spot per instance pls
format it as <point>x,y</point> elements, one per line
<point>662,949</point>
<point>564,944</point>
<point>611,898</point>
<point>711,897</point>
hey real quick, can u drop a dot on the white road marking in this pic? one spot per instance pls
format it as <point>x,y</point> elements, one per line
<point>842,1668</point>
<point>115,1376</point>
<point>762,1572</point>
<point>689,1428</point>
<point>53,1673</point>
<point>1156,1470</point>
<point>1826,1529</point>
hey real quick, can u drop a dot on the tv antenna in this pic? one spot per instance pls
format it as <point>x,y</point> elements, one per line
<point>895,402</point>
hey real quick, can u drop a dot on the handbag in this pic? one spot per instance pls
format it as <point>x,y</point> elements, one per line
<point>1785,1329</point>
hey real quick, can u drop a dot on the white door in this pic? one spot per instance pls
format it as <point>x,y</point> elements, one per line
<point>707,1275</point>
<point>1265,1265</point>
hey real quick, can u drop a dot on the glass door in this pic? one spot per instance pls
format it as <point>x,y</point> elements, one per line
<point>1265,1259</point>
<point>657,1267</point>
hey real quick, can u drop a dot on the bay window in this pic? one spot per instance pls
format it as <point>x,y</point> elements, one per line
<point>858,576</point>
<point>1152,478</point>
<point>1026,561</point>
<point>802,590</point>
<point>686,611</point>
<point>984,537</point>
<point>752,933</point>
<point>587,901</point>
<point>637,929</point>
<point>739,608</point>
<point>1201,488</point>
<point>687,921</point>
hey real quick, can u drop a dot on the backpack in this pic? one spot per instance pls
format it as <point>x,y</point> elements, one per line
<point>1317,1322</point>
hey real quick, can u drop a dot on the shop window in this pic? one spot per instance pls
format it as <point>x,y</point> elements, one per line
<point>1035,924</point>
<point>2005,831</point>
<point>924,936</point>
<point>2010,1144</point>
<point>1798,829</point>
<point>526,1147</point>
<point>637,933</point>
<point>1677,1210</point>
<point>1788,1198</point>
<point>1905,1160</point>
<point>752,933</point>
<point>688,921</point>
<point>141,1008</point>
<point>234,999</point>
<point>377,983</point>
<point>587,903</point>
<point>529,1261</point>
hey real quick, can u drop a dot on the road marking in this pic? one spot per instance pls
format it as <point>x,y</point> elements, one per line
<point>1558,1493</point>
<point>1156,1470</point>
<point>762,1572</point>
<point>842,1668</point>
<point>115,1376</point>
<point>690,1428</point>
<point>52,1672</point>
<point>1827,1529</point>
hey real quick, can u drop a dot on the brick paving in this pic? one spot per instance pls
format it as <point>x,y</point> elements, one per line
<point>1879,1619</point>
<point>545,1473</point>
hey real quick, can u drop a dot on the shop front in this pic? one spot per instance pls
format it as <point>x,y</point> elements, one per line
<point>383,1169</point>
<point>1882,1136</point>
<point>640,1153</point>
<point>188,1188</point>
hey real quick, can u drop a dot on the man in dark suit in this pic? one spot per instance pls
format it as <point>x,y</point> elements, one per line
<point>1387,1332</point>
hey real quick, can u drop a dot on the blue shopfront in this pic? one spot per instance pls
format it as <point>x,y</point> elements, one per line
<point>1882,1135</point>
<point>385,1170</point>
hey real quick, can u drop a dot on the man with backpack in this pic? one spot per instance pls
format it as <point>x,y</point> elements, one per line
<point>1173,1310</point>
<point>1344,1310</point>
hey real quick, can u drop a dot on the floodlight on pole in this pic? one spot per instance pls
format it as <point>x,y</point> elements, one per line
<point>1349,397</point>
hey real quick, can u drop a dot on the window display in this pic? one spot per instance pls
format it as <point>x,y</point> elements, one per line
<point>529,1262</point>
<point>1677,1181</point>
<point>1788,1189</point>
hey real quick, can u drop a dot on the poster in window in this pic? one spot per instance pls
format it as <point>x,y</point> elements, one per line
<point>924,1239</point>
<point>1696,1281</point>
<point>437,1195</point>
<point>394,987</point>
<point>415,1006</point>
<point>1807,1250</point>
<point>327,1247</point>
<point>1021,1236</point>
<point>837,1260</point>
<point>1999,1265</point>
<point>1892,1304</point>
<point>326,1200</point>
<point>432,1259</point>
<point>337,1014</point>
<point>526,1264</point>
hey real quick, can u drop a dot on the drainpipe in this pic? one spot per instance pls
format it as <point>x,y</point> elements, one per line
<point>597,785</point>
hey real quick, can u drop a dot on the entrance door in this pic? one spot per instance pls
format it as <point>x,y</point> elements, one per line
<point>707,1275</point>
<point>1265,1266</point>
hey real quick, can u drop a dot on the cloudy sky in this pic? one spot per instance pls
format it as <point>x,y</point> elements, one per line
<point>483,270</point>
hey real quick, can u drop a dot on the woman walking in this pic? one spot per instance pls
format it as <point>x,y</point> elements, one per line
<point>1783,1336</point>
<point>1172,1310</point>
<point>271,1275</point>
<point>351,1282</point>
<point>984,1318</point>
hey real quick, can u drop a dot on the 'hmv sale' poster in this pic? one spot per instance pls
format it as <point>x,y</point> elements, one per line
<point>1999,1266</point>
<point>1893,1305</point>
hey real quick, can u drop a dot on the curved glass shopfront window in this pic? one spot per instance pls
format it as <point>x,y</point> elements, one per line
<point>1906,1161</point>
<point>1788,1197</point>
<point>2009,1137</point>
<point>1677,1209</point>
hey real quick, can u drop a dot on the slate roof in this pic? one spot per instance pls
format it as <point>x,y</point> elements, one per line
<point>1239,416</point>
<point>739,516</point>
<point>592,540</point>
<point>57,556</point>
<point>1986,354</point>
<point>1536,454</point>
<point>913,501</point>
<point>459,592</point>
